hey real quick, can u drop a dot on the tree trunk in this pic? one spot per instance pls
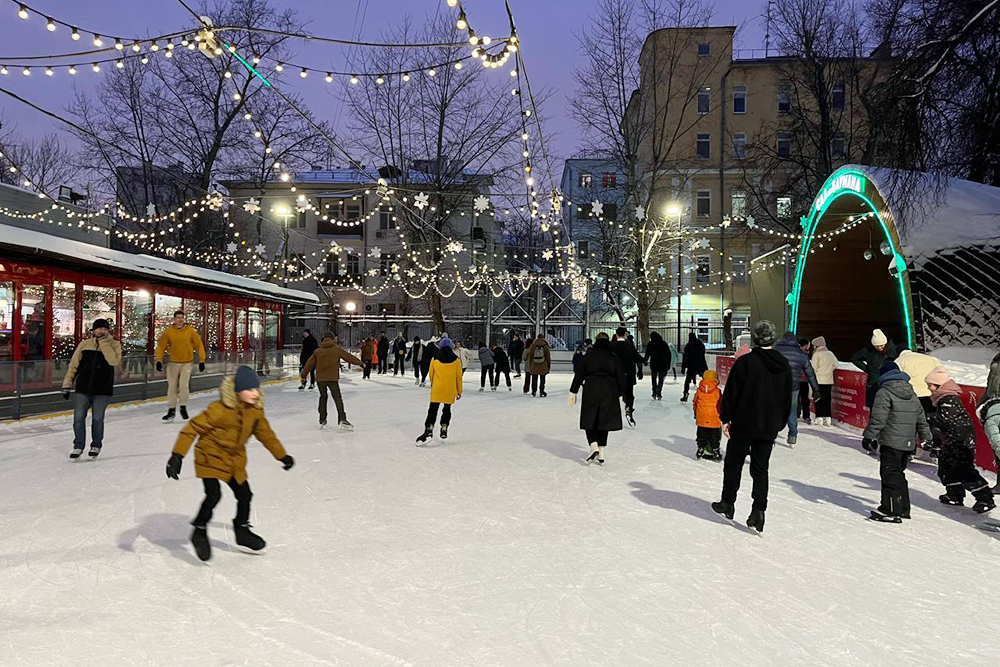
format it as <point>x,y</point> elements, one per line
<point>642,301</point>
<point>437,313</point>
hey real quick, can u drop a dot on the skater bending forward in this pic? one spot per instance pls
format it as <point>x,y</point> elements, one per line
<point>220,454</point>
<point>446,388</point>
<point>707,406</point>
<point>603,380</point>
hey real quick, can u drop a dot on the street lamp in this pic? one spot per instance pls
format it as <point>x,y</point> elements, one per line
<point>675,209</point>
<point>350,307</point>
<point>285,212</point>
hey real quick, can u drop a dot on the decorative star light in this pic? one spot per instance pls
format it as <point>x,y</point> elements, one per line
<point>545,227</point>
<point>662,271</point>
<point>640,212</point>
<point>231,248</point>
<point>335,247</point>
<point>215,200</point>
<point>150,209</point>
<point>597,207</point>
<point>751,223</point>
<point>546,254</point>
<point>252,205</point>
<point>122,213</point>
<point>343,271</point>
<point>411,273</point>
<point>394,268</point>
<point>421,201</point>
<point>703,242</point>
<point>260,249</point>
<point>373,272</point>
<point>726,221</point>
<point>454,247</point>
<point>375,252</point>
<point>481,203</point>
<point>524,272</point>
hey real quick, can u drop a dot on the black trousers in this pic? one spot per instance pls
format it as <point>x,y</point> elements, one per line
<point>432,415</point>
<point>760,457</point>
<point>628,395</point>
<point>338,400</point>
<point>657,377</point>
<point>213,494</point>
<point>804,400</point>
<point>496,377</point>
<point>416,370</point>
<point>312,374</point>
<point>870,390</point>
<point>709,438</point>
<point>895,490</point>
<point>383,365</point>
<point>957,471</point>
<point>824,400</point>
<point>515,362</point>
<point>368,369</point>
<point>486,371</point>
<point>691,377</point>
<point>535,382</point>
<point>398,366</point>
<point>598,436</point>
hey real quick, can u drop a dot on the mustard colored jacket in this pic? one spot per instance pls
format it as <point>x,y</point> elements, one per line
<point>446,381</point>
<point>181,344</point>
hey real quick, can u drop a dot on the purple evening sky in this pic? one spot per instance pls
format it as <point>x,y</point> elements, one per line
<point>548,30</point>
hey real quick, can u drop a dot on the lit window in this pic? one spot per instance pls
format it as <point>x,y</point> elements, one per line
<point>586,179</point>
<point>739,203</point>
<point>704,203</point>
<point>739,99</point>
<point>740,146</point>
<point>784,207</point>
<point>704,146</point>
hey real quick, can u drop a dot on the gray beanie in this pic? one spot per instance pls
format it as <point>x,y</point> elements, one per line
<point>245,379</point>
<point>764,333</point>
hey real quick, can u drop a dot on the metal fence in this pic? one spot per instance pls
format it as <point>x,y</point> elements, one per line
<point>30,388</point>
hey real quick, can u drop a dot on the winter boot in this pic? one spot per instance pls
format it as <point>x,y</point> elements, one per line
<point>600,454</point>
<point>425,436</point>
<point>755,522</point>
<point>199,539</point>
<point>724,509</point>
<point>593,453</point>
<point>542,393</point>
<point>883,517</point>
<point>950,500</point>
<point>76,453</point>
<point>184,412</point>
<point>345,425</point>
<point>984,506</point>
<point>247,538</point>
<point>169,417</point>
<point>444,431</point>
<point>94,451</point>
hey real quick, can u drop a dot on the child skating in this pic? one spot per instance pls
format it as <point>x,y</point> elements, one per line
<point>222,431</point>
<point>446,388</point>
<point>707,405</point>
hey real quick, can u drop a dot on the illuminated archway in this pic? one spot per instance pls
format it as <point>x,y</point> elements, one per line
<point>849,189</point>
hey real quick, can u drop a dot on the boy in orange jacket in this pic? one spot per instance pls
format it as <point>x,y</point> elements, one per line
<point>707,403</point>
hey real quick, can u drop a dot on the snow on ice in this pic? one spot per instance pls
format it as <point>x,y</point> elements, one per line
<point>498,546</point>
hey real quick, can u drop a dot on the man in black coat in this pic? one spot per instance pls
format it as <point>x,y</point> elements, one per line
<point>309,345</point>
<point>502,366</point>
<point>693,363</point>
<point>383,354</point>
<point>398,355</point>
<point>658,358</point>
<point>603,379</point>
<point>514,352</point>
<point>628,357</point>
<point>755,407</point>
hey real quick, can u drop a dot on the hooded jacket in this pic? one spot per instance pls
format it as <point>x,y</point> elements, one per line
<point>222,431</point>
<point>486,357</point>
<point>758,395</point>
<point>657,355</point>
<point>694,356</point>
<point>500,357</point>
<point>917,366</point>
<point>707,404</point>
<point>989,417</point>
<point>326,361</point>
<point>446,377</point>
<point>824,362</point>
<point>897,417</point>
<point>798,361</point>
<point>603,379</point>
<point>91,370</point>
<point>950,424</point>
<point>539,357</point>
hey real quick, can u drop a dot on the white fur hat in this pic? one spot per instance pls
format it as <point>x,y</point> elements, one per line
<point>878,338</point>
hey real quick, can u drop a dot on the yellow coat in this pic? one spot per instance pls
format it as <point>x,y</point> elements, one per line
<point>181,344</point>
<point>222,431</point>
<point>446,381</point>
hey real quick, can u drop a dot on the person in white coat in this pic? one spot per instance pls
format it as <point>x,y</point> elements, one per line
<point>825,364</point>
<point>917,366</point>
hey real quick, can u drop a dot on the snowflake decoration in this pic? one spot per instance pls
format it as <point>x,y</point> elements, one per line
<point>334,247</point>
<point>421,201</point>
<point>375,252</point>
<point>726,221</point>
<point>373,272</point>
<point>524,272</point>
<point>260,249</point>
<point>662,271</point>
<point>597,207</point>
<point>703,243</point>
<point>252,206</point>
<point>481,203</point>
<point>150,209</point>
<point>231,248</point>
<point>545,227</point>
<point>343,271</point>
<point>411,273</point>
<point>454,247</point>
<point>546,254</point>
<point>215,200</point>
<point>751,223</point>
<point>640,212</point>
<point>122,213</point>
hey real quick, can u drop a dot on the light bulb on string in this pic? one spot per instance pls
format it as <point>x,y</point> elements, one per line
<point>22,12</point>
<point>461,23</point>
<point>431,72</point>
<point>406,76</point>
<point>72,69</point>
<point>354,79</point>
<point>304,73</point>
<point>98,41</point>
<point>48,71</point>
<point>329,77</point>
<point>26,71</point>
<point>136,47</point>
<point>154,46</point>
<point>118,44</point>
<point>75,35</point>
<point>120,64</point>
<point>50,25</point>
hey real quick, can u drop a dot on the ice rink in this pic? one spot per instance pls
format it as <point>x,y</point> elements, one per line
<point>498,546</point>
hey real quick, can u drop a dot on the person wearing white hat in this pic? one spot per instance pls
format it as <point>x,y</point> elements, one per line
<point>870,358</point>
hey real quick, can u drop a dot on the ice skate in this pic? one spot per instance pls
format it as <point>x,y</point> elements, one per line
<point>416,382</point>
<point>184,412</point>
<point>94,451</point>
<point>684,398</point>
<point>948,500</point>
<point>302,387</point>
<point>345,425</point>
<point>629,418</point>
<point>76,453</point>
<point>199,539</point>
<point>444,431</point>
<point>542,393</point>
<point>322,424</point>
<point>790,442</point>
<point>600,454</point>
<point>169,417</point>
<point>725,510</point>
<point>247,539</point>
<point>425,436</point>
<point>482,389</point>
<point>984,506</point>
<point>493,388</point>
<point>593,453</point>
<point>755,522</point>
<point>882,517</point>
<point>312,386</point>
<point>423,384</point>
<point>700,453</point>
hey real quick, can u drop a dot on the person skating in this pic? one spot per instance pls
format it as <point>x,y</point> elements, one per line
<point>693,363</point>
<point>502,367</point>
<point>581,349</point>
<point>367,355</point>
<point>917,366</point>
<point>487,364</point>
<point>514,352</point>
<point>805,413</point>
<point>465,355</point>
<point>707,405</point>
<point>383,354</point>
<point>755,407</point>
<point>398,355</point>
<point>952,427</point>
<point>870,359</point>
<point>430,352</point>
<point>446,389</point>
<point>180,341</point>
<point>91,374</point>
<point>603,379</point>
<point>415,354</point>
<point>658,358</point>
<point>324,364</point>
<point>989,413</point>
<point>824,363</point>
<point>629,358</point>
<point>896,426</point>
<point>222,431</point>
<point>309,346</point>
<point>539,358</point>
<point>798,361</point>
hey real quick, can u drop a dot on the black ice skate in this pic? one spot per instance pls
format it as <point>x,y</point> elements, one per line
<point>444,431</point>
<point>94,451</point>
<point>302,387</point>
<point>542,393</point>
<point>169,417</point>
<point>247,539</point>
<point>427,435</point>
<point>882,517</point>
<point>684,398</point>
<point>700,454</point>
<point>76,453</point>
<point>629,418</point>
<point>322,424</point>
<point>600,455</point>
<point>199,539</point>
<point>725,510</point>
<point>948,500</point>
<point>755,522</point>
<point>984,506</point>
<point>184,412</point>
<point>345,425</point>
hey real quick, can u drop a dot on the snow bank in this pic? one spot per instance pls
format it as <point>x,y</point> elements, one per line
<point>967,365</point>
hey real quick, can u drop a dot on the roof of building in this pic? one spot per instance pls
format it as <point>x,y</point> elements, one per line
<point>146,265</point>
<point>352,176</point>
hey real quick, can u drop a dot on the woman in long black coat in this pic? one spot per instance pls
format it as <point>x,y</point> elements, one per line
<point>603,380</point>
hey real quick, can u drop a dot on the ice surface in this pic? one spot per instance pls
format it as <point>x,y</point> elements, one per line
<point>496,547</point>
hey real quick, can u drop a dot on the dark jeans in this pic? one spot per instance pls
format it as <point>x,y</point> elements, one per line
<point>213,494</point>
<point>736,454</point>
<point>496,377</point>
<point>793,415</point>
<point>97,406</point>
<point>957,471</point>
<point>598,436</point>
<point>535,382</point>
<point>432,415</point>
<point>368,369</point>
<point>486,371</point>
<point>804,400</point>
<point>398,366</point>
<point>312,374</point>
<point>895,490</point>
<point>691,377</point>
<point>416,370</point>
<point>824,400</point>
<point>383,365</point>
<point>657,377</point>
<point>338,400</point>
<point>515,363</point>
<point>709,439</point>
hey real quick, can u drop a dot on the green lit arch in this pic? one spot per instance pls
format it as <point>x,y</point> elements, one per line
<point>811,222</point>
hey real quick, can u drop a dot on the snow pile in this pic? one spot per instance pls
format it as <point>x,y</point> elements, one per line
<point>967,365</point>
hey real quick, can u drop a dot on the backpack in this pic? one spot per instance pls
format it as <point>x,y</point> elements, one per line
<point>538,356</point>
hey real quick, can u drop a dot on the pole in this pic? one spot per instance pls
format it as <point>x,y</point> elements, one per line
<point>586,314</point>
<point>680,261</point>
<point>538,308</point>
<point>489,316</point>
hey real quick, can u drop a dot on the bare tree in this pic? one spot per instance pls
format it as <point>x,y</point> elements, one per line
<point>46,163</point>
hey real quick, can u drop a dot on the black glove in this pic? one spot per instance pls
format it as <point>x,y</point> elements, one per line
<point>201,367</point>
<point>288,461</point>
<point>159,365</point>
<point>869,445</point>
<point>65,393</point>
<point>174,466</point>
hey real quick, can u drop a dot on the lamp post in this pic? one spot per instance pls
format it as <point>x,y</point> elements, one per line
<point>284,212</point>
<point>674,209</point>
<point>350,307</point>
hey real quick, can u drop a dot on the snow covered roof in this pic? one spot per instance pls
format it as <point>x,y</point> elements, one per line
<point>146,265</point>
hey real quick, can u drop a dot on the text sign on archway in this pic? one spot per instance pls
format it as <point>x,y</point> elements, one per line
<point>850,181</point>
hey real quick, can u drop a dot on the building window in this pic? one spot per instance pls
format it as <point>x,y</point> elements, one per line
<point>784,145</point>
<point>783,207</point>
<point>784,98</point>
<point>739,99</point>
<point>837,96</point>
<point>609,179</point>
<point>385,263</point>
<point>353,212</point>
<point>704,100</point>
<point>739,203</point>
<point>584,212</point>
<point>704,49</point>
<point>583,249</point>
<point>704,146</point>
<point>586,179</point>
<point>478,234</point>
<point>353,265</point>
<point>333,266</point>
<point>740,270</point>
<point>300,220</point>
<point>704,203</point>
<point>838,147</point>
<point>384,220</point>
<point>740,146</point>
<point>704,269</point>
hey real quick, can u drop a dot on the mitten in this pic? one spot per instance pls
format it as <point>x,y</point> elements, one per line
<point>159,366</point>
<point>174,466</point>
<point>571,399</point>
<point>201,367</point>
<point>288,461</point>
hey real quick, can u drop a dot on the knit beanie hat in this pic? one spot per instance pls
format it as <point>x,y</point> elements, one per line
<point>330,335</point>
<point>937,376</point>
<point>887,367</point>
<point>819,341</point>
<point>246,378</point>
<point>100,324</point>
<point>446,342</point>
<point>878,338</point>
<point>711,375</point>
<point>764,333</point>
